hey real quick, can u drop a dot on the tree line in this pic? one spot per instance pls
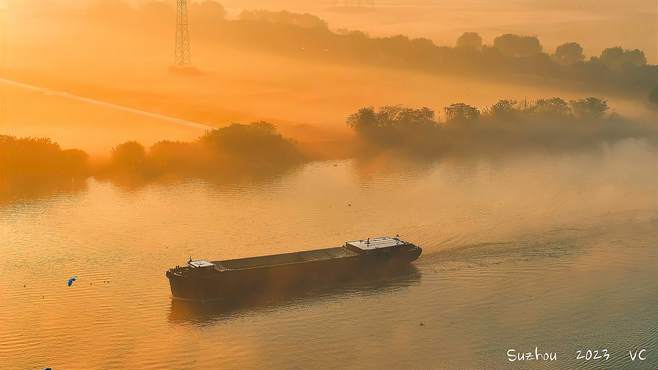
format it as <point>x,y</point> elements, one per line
<point>506,126</point>
<point>257,150</point>
<point>35,165</point>
<point>507,57</point>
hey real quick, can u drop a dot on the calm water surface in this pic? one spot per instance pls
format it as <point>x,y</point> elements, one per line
<point>554,251</point>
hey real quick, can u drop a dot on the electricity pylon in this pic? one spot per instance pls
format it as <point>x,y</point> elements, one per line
<point>182,54</point>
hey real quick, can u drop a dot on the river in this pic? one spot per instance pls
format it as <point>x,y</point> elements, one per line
<point>552,251</point>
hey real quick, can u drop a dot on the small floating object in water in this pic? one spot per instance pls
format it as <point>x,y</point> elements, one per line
<point>71,280</point>
<point>422,324</point>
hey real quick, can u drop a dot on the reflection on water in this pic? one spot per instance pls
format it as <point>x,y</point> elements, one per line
<point>33,191</point>
<point>230,307</point>
<point>555,251</point>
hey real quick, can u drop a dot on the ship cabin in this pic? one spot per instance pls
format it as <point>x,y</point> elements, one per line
<point>380,244</point>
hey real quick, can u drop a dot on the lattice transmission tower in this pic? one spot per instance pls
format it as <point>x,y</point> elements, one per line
<point>182,54</point>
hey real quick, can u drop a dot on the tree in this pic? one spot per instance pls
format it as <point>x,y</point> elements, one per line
<point>129,155</point>
<point>612,57</point>
<point>503,109</point>
<point>635,57</point>
<point>569,53</point>
<point>517,46</point>
<point>257,144</point>
<point>394,125</point>
<point>589,108</point>
<point>470,41</point>
<point>390,117</point>
<point>284,17</point>
<point>553,107</point>
<point>461,112</point>
<point>74,162</point>
<point>363,120</point>
<point>395,115</point>
<point>40,161</point>
<point>616,57</point>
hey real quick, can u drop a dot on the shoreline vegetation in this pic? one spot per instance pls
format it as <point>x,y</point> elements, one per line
<point>508,126</point>
<point>237,151</point>
<point>32,166</point>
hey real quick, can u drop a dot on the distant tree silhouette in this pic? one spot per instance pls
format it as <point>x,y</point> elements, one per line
<point>569,53</point>
<point>364,118</point>
<point>390,116</point>
<point>29,163</point>
<point>512,57</point>
<point>460,112</point>
<point>589,108</point>
<point>504,126</point>
<point>616,58</point>
<point>552,107</point>
<point>612,57</point>
<point>503,109</point>
<point>254,145</point>
<point>470,41</point>
<point>393,115</point>
<point>393,125</point>
<point>250,150</point>
<point>635,57</point>
<point>178,157</point>
<point>517,46</point>
<point>284,17</point>
<point>130,155</point>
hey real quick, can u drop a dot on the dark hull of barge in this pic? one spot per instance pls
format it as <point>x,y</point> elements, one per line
<point>283,273</point>
<point>202,311</point>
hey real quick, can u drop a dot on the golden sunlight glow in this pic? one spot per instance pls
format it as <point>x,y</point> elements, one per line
<point>514,141</point>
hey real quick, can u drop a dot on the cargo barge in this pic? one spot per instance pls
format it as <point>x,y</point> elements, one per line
<point>279,273</point>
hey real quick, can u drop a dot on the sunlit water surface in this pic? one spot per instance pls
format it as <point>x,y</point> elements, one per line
<point>556,251</point>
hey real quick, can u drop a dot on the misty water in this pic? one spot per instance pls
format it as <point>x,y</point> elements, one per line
<point>553,250</point>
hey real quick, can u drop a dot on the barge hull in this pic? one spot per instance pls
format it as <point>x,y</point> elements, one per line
<point>253,276</point>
